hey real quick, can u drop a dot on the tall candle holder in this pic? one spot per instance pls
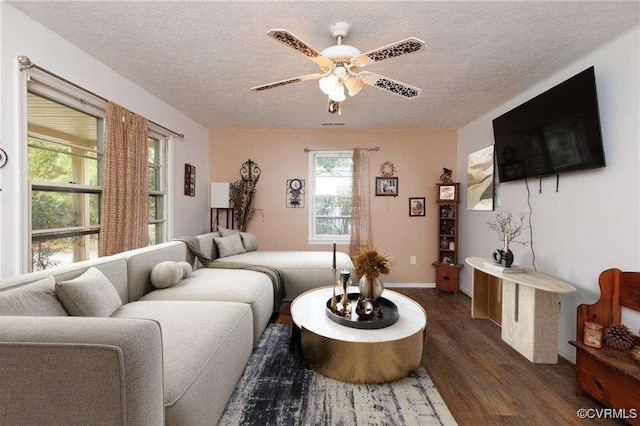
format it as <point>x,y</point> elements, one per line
<point>345,304</point>
<point>334,302</point>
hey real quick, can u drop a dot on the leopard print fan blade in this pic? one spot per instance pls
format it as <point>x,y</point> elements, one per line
<point>385,83</point>
<point>290,40</point>
<point>399,48</point>
<point>287,81</point>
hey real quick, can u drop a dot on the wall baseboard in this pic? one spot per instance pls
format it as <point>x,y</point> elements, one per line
<point>409,285</point>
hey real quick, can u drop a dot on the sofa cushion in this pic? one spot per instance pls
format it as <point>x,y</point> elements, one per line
<point>230,285</point>
<point>229,246</point>
<point>249,240</point>
<point>115,269</point>
<point>205,346</point>
<point>301,270</point>
<point>166,274</point>
<point>35,299</point>
<point>140,262</point>
<point>89,295</point>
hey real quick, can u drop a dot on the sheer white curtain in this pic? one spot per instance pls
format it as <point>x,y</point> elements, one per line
<point>361,232</point>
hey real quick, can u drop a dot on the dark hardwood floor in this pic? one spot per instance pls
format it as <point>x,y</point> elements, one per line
<point>483,380</point>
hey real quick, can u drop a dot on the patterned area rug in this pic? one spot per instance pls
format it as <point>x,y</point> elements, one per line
<point>278,389</point>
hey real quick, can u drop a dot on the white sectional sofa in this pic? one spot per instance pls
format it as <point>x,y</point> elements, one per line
<point>166,356</point>
<point>302,271</point>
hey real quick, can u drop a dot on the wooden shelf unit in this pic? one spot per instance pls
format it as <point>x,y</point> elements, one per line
<point>447,266</point>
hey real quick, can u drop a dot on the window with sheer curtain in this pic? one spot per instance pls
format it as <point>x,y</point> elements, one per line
<point>65,171</point>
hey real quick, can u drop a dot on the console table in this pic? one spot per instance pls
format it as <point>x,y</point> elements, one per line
<point>524,304</point>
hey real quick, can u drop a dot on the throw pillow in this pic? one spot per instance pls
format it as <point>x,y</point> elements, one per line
<point>166,274</point>
<point>35,299</point>
<point>249,240</point>
<point>226,232</point>
<point>228,246</point>
<point>187,269</point>
<point>214,247</point>
<point>89,295</point>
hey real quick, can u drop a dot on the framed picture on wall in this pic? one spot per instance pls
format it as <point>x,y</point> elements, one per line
<point>447,193</point>
<point>480,178</point>
<point>387,186</point>
<point>190,180</point>
<point>416,207</point>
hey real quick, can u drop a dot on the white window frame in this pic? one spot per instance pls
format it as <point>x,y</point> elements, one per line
<point>163,189</point>
<point>43,85</point>
<point>313,238</point>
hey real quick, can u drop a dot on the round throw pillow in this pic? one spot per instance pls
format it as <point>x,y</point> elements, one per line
<point>186,269</point>
<point>166,274</point>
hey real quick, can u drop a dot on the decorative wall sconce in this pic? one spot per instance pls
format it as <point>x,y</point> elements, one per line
<point>3,158</point>
<point>250,172</point>
<point>295,193</point>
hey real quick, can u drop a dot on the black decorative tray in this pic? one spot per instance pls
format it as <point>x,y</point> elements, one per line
<point>388,314</point>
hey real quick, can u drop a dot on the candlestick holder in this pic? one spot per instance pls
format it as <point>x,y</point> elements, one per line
<point>345,305</point>
<point>334,302</point>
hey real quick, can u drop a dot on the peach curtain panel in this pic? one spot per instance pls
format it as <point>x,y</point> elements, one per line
<point>124,207</point>
<point>361,232</point>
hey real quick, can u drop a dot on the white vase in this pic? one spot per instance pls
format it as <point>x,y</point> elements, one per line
<point>370,288</point>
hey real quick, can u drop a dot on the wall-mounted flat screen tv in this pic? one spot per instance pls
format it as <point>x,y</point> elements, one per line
<point>555,132</point>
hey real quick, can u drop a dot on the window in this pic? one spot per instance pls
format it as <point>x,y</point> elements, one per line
<point>157,188</point>
<point>330,193</point>
<point>65,153</point>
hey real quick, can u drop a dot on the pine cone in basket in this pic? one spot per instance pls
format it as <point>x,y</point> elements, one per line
<point>618,336</point>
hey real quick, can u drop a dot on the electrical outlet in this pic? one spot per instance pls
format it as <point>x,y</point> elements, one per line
<point>412,260</point>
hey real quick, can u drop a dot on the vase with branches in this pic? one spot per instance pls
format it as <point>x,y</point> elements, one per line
<point>508,229</point>
<point>243,195</point>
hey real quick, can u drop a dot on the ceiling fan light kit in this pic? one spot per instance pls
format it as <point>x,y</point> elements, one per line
<point>340,63</point>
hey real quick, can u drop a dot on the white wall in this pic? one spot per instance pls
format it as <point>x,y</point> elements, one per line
<point>593,223</point>
<point>20,35</point>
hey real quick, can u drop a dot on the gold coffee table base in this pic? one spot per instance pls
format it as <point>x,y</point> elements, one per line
<point>362,362</point>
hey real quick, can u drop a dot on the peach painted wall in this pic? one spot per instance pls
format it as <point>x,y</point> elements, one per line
<point>418,156</point>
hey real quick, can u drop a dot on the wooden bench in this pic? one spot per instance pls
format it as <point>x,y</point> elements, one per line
<point>612,377</point>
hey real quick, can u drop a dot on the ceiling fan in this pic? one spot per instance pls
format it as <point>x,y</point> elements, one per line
<point>340,66</point>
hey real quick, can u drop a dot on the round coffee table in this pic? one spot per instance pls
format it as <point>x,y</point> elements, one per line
<point>354,355</point>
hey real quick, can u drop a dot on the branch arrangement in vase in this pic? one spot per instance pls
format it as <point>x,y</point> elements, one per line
<point>243,194</point>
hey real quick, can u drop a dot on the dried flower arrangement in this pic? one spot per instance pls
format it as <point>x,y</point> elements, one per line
<point>243,195</point>
<point>371,263</point>
<point>508,228</point>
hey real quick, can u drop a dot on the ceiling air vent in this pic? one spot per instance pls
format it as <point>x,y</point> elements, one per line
<point>326,123</point>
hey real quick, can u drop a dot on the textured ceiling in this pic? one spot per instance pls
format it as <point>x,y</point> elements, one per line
<point>202,57</point>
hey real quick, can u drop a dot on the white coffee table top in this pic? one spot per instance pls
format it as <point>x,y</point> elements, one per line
<point>308,312</point>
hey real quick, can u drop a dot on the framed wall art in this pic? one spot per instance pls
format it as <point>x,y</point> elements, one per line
<point>416,207</point>
<point>448,192</point>
<point>387,186</point>
<point>190,180</point>
<point>480,179</point>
